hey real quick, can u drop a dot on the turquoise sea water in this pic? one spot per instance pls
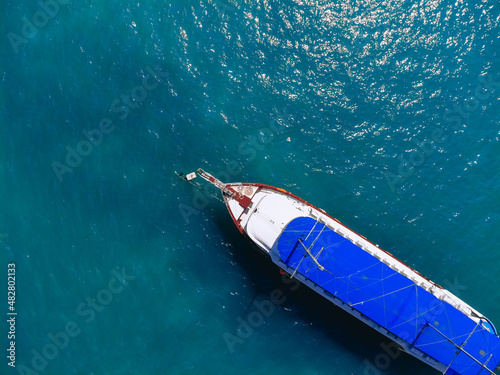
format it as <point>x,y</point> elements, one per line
<point>385,114</point>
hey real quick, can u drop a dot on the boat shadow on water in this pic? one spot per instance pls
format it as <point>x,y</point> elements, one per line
<point>377,354</point>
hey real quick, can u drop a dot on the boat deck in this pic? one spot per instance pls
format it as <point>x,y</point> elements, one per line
<point>388,297</point>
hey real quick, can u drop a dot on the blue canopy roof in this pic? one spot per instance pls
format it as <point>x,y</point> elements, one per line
<point>389,298</point>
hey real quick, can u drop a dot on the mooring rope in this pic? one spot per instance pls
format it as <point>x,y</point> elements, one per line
<point>183,177</point>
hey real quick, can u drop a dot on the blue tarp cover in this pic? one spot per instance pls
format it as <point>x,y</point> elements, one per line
<point>389,298</point>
